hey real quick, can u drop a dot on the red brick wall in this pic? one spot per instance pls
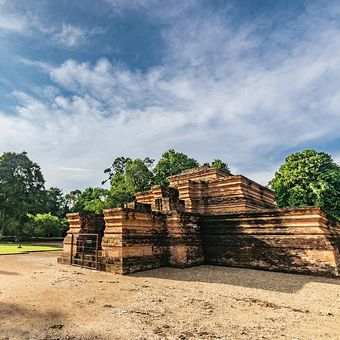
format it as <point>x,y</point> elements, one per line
<point>294,240</point>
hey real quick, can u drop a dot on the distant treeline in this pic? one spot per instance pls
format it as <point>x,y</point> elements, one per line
<point>27,209</point>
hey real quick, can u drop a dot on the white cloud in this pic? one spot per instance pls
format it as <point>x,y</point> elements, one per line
<point>213,97</point>
<point>70,35</point>
<point>14,19</point>
<point>336,158</point>
<point>73,169</point>
<point>128,4</point>
<point>67,35</point>
<point>12,23</point>
<point>41,65</point>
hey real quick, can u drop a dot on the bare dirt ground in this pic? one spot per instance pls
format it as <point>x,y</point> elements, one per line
<point>42,300</point>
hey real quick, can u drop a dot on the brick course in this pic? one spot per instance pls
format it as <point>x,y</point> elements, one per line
<point>208,216</point>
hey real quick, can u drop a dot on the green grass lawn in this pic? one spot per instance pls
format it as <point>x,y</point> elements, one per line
<point>6,249</point>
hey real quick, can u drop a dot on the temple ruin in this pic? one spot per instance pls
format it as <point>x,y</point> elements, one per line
<point>205,216</point>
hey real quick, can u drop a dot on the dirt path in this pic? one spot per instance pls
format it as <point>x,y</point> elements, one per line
<point>42,300</point>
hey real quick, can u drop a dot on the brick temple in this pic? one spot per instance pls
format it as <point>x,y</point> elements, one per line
<point>205,216</point>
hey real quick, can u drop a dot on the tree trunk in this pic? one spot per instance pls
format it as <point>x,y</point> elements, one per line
<point>2,227</point>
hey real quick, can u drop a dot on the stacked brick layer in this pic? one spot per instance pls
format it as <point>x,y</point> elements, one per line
<point>220,194</point>
<point>209,216</point>
<point>203,173</point>
<point>134,240</point>
<point>140,240</point>
<point>159,198</point>
<point>293,240</point>
<point>80,223</point>
<point>234,193</point>
<point>184,240</point>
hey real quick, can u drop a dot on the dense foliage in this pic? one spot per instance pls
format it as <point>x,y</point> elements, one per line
<point>172,163</point>
<point>55,202</point>
<point>21,187</point>
<point>218,164</point>
<point>23,196</point>
<point>71,198</point>
<point>44,225</point>
<point>92,200</point>
<point>28,209</point>
<point>308,178</point>
<point>127,176</point>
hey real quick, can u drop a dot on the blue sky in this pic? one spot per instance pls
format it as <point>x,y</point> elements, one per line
<point>83,82</point>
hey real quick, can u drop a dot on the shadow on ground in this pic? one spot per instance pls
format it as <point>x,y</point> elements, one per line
<point>13,314</point>
<point>11,310</point>
<point>8,273</point>
<point>20,322</point>
<point>248,278</point>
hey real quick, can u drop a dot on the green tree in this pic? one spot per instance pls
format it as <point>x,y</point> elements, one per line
<point>308,178</point>
<point>56,202</point>
<point>172,163</point>
<point>71,198</point>
<point>43,225</point>
<point>128,176</point>
<point>21,187</point>
<point>138,176</point>
<point>118,167</point>
<point>218,164</point>
<point>92,200</point>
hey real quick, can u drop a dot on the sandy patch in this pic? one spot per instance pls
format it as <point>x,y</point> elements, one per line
<point>42,300</point>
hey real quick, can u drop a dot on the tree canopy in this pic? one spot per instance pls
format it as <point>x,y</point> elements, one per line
<point>44,225</point>
<point>128,176</point>
<point>219,164</point>
<point>172,163</point>
<point>308,178</point>
<point>28,209</point>
<point>92,200</point>
<point>71,198</point>
<point>56,203</point>
<point>21,187</point>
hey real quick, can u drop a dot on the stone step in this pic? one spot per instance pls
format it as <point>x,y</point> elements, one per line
<point>91,256</point>
<point>85,262</point>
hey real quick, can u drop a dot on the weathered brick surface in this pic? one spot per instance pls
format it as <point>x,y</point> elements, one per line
<point>210,191</point>
<point>142,240</point>
<point>202,173</point>
<point>80,223</point>
<point>210,216</point>
<point>293,240</point>
<point>134,239</point>
<point>184,241</point>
